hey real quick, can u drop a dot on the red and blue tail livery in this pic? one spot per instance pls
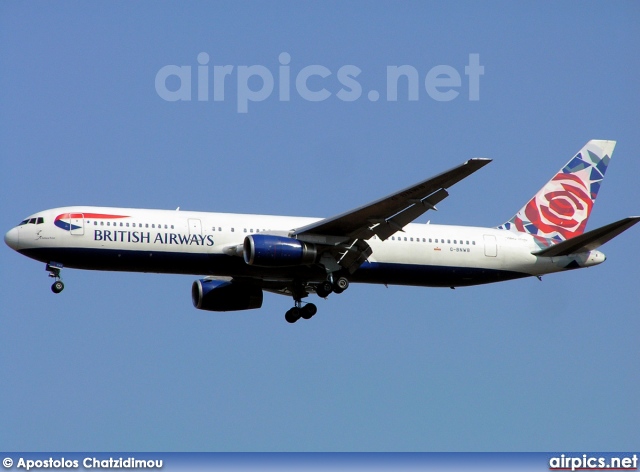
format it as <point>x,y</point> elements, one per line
<point>241,256</point>
<point>561,209</point>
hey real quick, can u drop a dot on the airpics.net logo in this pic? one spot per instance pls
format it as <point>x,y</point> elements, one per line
<point>313,83</point>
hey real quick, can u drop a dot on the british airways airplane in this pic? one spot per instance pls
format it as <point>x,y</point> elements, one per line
<point>240,255</point>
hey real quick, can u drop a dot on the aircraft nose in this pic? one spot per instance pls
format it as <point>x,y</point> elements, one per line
<point>12,238</point>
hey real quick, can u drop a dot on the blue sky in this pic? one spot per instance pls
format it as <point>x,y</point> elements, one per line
<point>124,362</point>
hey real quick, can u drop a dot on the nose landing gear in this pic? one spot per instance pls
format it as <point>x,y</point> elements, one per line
<point>54,269</point>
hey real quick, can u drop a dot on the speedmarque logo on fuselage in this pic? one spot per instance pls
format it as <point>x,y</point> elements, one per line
<point>62,223</point>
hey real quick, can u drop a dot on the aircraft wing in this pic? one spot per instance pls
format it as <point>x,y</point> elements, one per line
<point>590,240</point>
<point>390,214</point>
<point>345,235</point>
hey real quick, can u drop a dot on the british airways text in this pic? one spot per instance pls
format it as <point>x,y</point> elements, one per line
<point>159,238</point>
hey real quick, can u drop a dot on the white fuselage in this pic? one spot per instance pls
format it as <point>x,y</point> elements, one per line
<point>203,243</point>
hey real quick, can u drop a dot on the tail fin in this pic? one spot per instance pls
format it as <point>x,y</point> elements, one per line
<point>561,208</point>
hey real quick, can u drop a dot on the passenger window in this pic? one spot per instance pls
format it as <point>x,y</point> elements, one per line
<point>171,226</point>
<point>102,223</point>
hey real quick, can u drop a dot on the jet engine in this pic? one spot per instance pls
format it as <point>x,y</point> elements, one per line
<point>265,250</point>
<point>221,295</point>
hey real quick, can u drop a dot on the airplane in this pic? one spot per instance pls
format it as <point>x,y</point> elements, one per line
<point>242,255</point>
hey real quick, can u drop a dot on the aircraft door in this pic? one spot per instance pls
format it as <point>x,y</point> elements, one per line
<point>195,226</point>
<point>76,220</point>
<point>490,246</point>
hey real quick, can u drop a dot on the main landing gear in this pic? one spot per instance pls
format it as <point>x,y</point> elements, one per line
<point>323,290</point>
<point>54,269</point>
<point>299,311</point>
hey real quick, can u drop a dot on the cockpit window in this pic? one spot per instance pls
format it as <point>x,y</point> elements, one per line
<point>32,221</point>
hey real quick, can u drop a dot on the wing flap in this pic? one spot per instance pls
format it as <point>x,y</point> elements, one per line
<point>388,227</point>
<point>590,240</point>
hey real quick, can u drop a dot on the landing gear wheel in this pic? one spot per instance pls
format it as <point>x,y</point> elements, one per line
<point>340,285</point>
<point>292,315</point>
<point>308,311</point>
<point>324,289</point>
<point>57,286</point>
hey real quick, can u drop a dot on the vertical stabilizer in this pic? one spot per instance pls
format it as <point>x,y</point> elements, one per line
<point>561,208</point>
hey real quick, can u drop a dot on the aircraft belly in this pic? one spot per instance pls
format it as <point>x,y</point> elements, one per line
<point>167,262</point>
<point>431,275</point>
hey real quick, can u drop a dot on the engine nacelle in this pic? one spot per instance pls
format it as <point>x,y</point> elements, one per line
<point>220,295</point>
<point>265,250</point>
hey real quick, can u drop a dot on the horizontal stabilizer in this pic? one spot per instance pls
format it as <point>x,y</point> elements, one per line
<point>590,240</point>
